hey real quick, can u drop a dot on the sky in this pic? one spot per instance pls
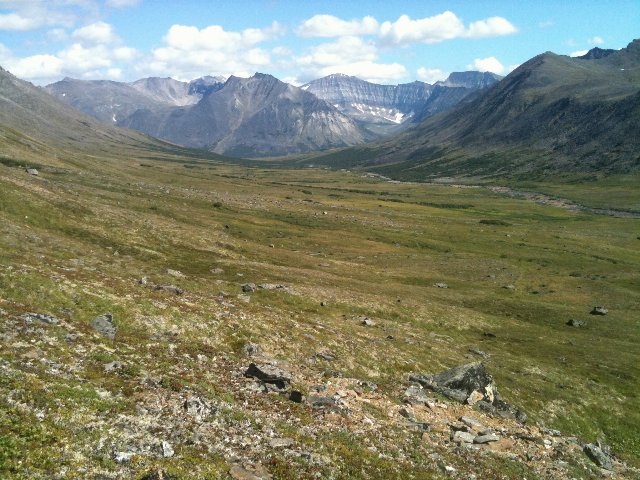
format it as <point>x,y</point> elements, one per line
<point>382,41</point>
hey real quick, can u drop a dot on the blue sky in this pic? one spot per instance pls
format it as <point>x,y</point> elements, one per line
<point>381,41</point>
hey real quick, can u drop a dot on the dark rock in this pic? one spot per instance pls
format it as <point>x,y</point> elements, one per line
<point>296,396</point>
<point>105,325</point>
<point>470,383</point>
<point>269,375</point>
<point>249,287</point>
<point>599,310</point>
<point>598,456</point>
<point>576,323</point>
<point>489,334</point>
<point>40,317</point>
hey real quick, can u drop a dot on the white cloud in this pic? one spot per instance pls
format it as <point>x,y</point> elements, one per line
<point>578,53</point>
<point>405,31</point>
<point>14,21</point>
<point>351,56</point>
<point>435,29</point>
<point>489,64</point>
<point>190,52</point>
<point>330,26</point>
<point>491,27</point>
<point>122,3</point>
<point>596,40</point>
<point>99,32</point>
<point>24,15</point>
<point>431,75</point>
<point>36,66</point>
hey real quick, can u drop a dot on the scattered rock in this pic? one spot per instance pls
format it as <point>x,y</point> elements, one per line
<point>144,281</point>
<point>169,288</point>
<point>280,442</point>
<point>40,317</point>
<point>240,473</point>
<point>33,171</point>
<point>175,273</point>
<point>110,367</point>
<point>330,403</point>
<point>329,357</point>
<point>441,285</point>
<point>197,408</point>
<point>479,352</point>
<point>249,287</point>
<point>167,449</point>
<point>462,437</point>
<point>599,310</point>
<point>251,349</point>
<point>576,323</point>
<point>367,322</point>
<point>489,334</point>
<point>415,395</point>
<point>598,456</point>
<point>481,439</point>
<point>509,287</point>
<point>471,422</point>
<point>270,375</point>
<point>275,286</point>
<point>105,325</point>
<point>159,475</point>
<point>123,457</point>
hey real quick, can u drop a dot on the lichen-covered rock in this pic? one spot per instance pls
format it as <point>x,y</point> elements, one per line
<point>105,325</point>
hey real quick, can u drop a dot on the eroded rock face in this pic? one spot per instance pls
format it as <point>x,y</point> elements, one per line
<point>471,384</point>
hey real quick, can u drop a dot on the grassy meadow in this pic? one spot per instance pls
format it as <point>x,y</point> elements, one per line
<point>75,241</point>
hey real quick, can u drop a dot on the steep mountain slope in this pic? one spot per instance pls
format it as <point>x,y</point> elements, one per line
<point>553,113</point>
<point>381,108</point>
<point>257,116</point>
<point>113,102</point>
<point>33,123</point>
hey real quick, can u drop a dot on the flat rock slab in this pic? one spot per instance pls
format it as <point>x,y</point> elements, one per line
<point>40,317</point>
<point>481,439</point>
<point>463,437</point>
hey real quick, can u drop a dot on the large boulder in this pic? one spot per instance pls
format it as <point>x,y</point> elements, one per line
<point>472,384</point>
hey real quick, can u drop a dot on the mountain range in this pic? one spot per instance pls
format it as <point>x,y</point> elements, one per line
<point>552,114</point>
<point>262,116</point>
<point>380,108</point>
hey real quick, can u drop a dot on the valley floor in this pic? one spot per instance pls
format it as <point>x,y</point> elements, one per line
<point>444,275</point>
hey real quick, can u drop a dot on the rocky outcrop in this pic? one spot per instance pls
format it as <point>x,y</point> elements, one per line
<point>471,384</point>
